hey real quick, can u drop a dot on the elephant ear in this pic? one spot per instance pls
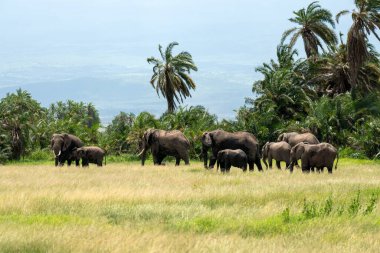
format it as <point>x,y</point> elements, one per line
<point>207,139</point>
<point>280,137</point>
<point>150,136</point>
<point>66,142</point>
<point>299,149</point>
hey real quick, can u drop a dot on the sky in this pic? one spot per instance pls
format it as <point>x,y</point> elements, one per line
<point>96,50</point>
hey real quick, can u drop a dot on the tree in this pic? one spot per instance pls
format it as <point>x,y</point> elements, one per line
<point>366,19</point>
<point>331,72</point>
<point>171,75</point>
<point>19,113</point>
<point>313,28</point>
<point>114,138</point>
<point>77,118</point>
<point>282,88</point>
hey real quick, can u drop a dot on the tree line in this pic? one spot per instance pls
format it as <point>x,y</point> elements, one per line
<point>334,93</point>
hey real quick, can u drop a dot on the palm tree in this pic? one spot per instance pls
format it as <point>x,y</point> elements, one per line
<point>171,75</point>
<point>366,19</point>
<point>331,72</point>
<point>313,28</point>
<point>282,88</point>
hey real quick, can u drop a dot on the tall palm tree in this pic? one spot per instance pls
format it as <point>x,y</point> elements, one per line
<point>366,19</point>
<point>313,28</point>
<point>171,75</point>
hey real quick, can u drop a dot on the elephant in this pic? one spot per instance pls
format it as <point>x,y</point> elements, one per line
<point>89,154</point>
<point>293,138</point>
<point>62,146</point>
<point>228,157</point>
<point>279,151</point>
<point>219,140</point>
<point>314,156</point>
<point>165,143</point>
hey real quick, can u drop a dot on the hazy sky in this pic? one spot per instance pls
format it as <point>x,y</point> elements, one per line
<point>96,50</point>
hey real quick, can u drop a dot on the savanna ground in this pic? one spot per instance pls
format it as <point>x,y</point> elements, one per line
<point>124,207</point>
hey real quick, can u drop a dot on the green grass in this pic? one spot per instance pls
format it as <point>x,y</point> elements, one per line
<point>125,207</point>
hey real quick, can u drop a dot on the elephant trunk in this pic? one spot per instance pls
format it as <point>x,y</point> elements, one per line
<point>205,156</point>
<point>143,152</point>
<point>57,150</point>
<point>143,157</point>
<point>293,160</point>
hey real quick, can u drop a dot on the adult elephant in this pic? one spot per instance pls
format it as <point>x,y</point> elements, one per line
<point>165,143</point>
<point>293,138</point>
<point>314,156</point>
<point>279,151</point>
<point>62,146</point>
<point>219,140</point>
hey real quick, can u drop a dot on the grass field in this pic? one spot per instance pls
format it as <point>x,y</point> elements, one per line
<point>129,208</point>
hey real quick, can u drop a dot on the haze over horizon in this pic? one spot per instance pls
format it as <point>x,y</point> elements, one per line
<point>96,50</point>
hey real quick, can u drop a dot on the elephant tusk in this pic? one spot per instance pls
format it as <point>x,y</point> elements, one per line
<point>59,153</point>
<point>141,153</point>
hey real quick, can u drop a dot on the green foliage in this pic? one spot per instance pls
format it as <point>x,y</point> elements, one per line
<point>72,117</point>
<point>19,113</point>
<point>371,204</point>
<point>355,205</point>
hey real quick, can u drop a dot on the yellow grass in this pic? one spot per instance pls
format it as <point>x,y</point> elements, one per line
<point>129,208</point>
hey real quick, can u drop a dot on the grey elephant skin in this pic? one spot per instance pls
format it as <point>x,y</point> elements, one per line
<point>165,143</point>
<point>219,140</point>
<point>279,151</point>
<point>91,154</point>
<point>293,138</point>
<point>62,146</point>
<point>314,156</point>
<point>228,158</point>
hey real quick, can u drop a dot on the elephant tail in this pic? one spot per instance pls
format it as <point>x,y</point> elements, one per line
<point>217,164</point>
<point>337,159</point>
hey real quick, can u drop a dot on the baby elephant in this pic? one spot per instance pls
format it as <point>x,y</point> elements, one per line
<point>89,155</point>
<point>228,157</point>
<point>279,151</point>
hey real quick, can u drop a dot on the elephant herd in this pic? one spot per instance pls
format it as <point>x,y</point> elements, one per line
<point>237,149</point>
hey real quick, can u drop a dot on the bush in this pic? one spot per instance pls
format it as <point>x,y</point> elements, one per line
<point>349,152</point>
<point>40,155</point>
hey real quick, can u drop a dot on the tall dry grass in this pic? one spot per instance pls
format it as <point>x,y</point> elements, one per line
<point>129,208</point>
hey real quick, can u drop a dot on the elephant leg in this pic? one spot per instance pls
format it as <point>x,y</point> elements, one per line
<point>330,169</point>
<point>155,159</point>
<point>312,169</point>
<point>244,167</point>
<point>177,161</point>
<point>77,162</point>
<point>258,164</point>
<point>250,164</point>
<point>278,164</point>
<point>228,167</point>
<point>56,161</point>
<point>160,158</point>
<point>296,163</point>
<point>270,162</point>
<point>287,165</point>
<point>68,162</point>
<point>187,160</point>
<point>305,168</point>
<point>85,162</point>
<point>212,162</point>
